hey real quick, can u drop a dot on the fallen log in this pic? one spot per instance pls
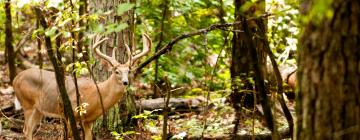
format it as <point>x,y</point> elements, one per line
<point>179,104</point>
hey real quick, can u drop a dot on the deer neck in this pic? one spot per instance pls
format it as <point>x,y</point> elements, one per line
<point>111,91</point>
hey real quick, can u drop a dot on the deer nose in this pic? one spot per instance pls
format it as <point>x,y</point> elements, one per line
<point>125,82</point>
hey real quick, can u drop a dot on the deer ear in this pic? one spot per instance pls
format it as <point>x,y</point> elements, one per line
<point>106,65</point>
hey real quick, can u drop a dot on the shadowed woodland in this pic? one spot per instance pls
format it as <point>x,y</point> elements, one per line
<point>180,69</point>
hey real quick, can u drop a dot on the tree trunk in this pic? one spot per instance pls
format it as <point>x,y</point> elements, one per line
<point>328,104</point>
<point>239,69</point>
<point>8,42</point>
<point>240,62</point>
<point>247,56</point>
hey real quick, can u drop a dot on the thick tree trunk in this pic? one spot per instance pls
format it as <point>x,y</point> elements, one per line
<point>240,62</point>
<point>241,59</point>
<point>240,68</point>
<point>247,56</point>
<point>328,105</point>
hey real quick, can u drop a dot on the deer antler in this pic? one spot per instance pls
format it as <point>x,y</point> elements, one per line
<point>111,59</point>
<point>129,54</point>
<point>146,47</point>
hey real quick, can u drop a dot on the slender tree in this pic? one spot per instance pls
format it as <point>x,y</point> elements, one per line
<point>165,11</point>
<point>8,41</point>
<point>59,74</point>
<point>328,105</point>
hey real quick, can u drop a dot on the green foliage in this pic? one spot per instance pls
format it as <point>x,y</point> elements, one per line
<point>80,68</point>
<point>319,10</point>
<point>283,29</point>
<point>186,64</point>
<point>122,8</point>
<point>115,27</point>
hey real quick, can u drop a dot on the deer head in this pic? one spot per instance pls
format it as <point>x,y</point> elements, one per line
<point>122,70</point>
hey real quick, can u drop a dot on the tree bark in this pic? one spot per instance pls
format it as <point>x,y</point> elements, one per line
<point>328,105</point>
<point>8,41</point>
<point>240,62</point>
<point>248,56</point>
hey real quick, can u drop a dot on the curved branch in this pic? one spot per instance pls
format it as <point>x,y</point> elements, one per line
<point>169,46</point>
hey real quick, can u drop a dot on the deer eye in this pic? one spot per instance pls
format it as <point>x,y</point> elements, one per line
<point>116,72</point>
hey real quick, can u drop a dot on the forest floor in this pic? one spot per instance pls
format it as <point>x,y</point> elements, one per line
<point>219,121</point>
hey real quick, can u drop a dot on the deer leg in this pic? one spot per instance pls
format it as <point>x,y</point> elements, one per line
<point>69,131</point>
<point>27,114</point>
<point>87,130</point>
<point>32,118</point>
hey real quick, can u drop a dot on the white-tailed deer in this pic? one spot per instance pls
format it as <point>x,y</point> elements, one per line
<point>37,91</point>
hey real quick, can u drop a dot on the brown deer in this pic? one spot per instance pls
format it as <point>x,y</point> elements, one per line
<point>38,94</point>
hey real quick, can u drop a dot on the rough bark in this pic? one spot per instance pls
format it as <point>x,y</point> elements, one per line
<point>240,62</point>
<point>328,104</point>
<point>248,56</point>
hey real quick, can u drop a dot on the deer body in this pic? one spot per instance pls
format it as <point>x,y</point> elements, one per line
<point>38,94</point>
<point>41,91</point>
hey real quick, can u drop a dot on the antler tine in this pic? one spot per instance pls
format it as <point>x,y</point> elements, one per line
<point>100,54</point>
<point>129,54</point>
<point>113,56</point>
<point>146,47</point>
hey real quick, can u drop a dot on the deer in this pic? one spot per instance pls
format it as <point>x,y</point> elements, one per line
<point>37,92</point>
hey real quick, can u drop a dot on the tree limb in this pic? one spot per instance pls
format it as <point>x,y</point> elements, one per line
<point>169,46</point>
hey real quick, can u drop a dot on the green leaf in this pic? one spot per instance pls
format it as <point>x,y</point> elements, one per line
<point>97,28</point>
<point>121,27</point>
<point>245,7</point>
<point>62,23</point>
<point>37,32</point>
<point>84,71</point>
<point>68,67</point>
<point>123,8</point>
<point>51,31</point>
<point>115,27</point>
<point>78,29</point>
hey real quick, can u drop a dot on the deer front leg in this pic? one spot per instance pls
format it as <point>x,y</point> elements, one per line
<point>67,129</point>
<point>87,130</point>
